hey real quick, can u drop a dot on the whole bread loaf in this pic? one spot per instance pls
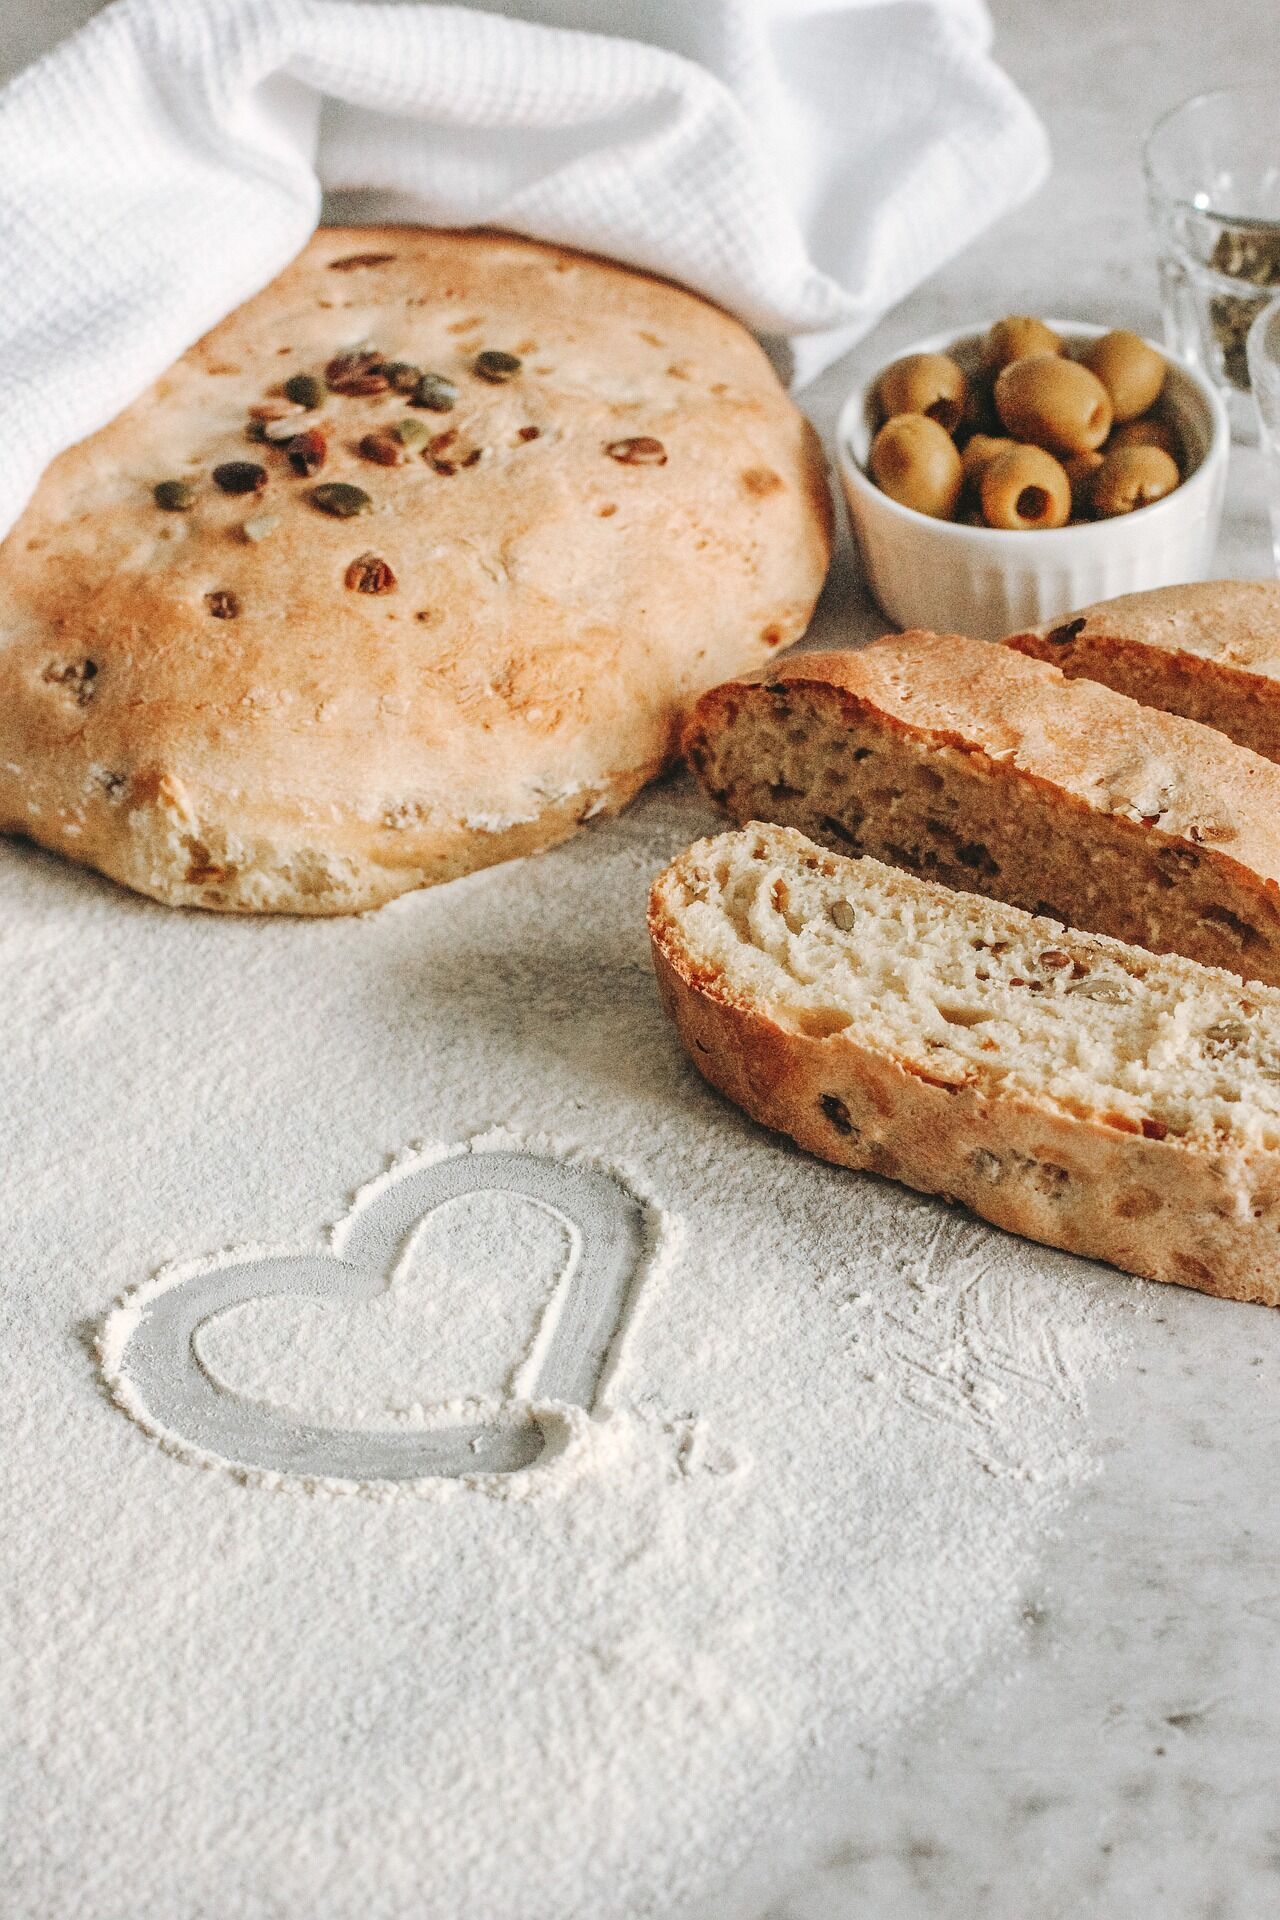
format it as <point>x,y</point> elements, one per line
<point>1209,651</point>
<point>451,529</point>
<point>1062,1085</point>
<point>965,762</point>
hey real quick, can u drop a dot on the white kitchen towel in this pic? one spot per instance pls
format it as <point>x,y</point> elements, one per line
<point>803,162</point>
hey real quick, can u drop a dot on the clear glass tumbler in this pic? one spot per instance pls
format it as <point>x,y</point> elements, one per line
<point>1264,374</point>
<point>1213,189</point>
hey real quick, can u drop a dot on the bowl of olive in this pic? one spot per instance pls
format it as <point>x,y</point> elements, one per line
<point>1001,476</point>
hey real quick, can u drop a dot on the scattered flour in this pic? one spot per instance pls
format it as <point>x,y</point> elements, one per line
<point>835,1429</point>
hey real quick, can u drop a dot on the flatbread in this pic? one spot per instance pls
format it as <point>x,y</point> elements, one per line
<point>503,645</point>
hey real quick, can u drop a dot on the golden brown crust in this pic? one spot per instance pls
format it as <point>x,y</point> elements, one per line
<point>1166,1209</point>
<point>555,608</point>
<point>1209,651</point>
<point>1058,796</point>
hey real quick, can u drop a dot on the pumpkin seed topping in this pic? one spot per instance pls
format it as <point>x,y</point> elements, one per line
<point>410,433</point>
<point>278,430</point>
<point>642,450</point>
<point>307,452</point>
<point>240,476</point>
<point>383,447</point>
<point>842,914</point>
<point>369,573</point>
<point>436,393</point>
<point>175,496</point>
<point>402,375</point>
<point>495,367</point>
<point>305,390</point>
<point>336,497</point>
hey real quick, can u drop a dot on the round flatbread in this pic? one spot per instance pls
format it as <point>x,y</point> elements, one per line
<point>257,701</point>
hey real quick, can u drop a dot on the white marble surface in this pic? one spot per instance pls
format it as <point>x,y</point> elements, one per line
<point>1122,1762</point>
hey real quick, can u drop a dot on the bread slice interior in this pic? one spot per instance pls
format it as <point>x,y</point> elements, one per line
<point>964,992</point>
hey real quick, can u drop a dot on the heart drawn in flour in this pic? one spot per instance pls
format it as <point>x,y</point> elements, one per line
<point>162,1355</point>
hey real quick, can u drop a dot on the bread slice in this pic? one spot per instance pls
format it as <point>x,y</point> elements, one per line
<point>1062,1085</point>
<point>964,762</point>
<point>1210,651</point>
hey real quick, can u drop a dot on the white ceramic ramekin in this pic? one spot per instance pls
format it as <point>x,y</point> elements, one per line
<point>985,582</point>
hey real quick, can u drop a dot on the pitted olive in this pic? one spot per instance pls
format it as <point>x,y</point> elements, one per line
<point>1131,371</point>
<point>1025,489</point>
<point>1054,402</point>
<point>1080,469</point>
<point>915,462</point>
<point>1132,477</point>
<point>981,449</point>
<point>1016,338</point>
<point>1148,432</point>
<point>928,383</point>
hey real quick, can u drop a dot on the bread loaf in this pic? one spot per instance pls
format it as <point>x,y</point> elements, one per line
<point>1064,1086</point>
<point>967,763</point>
<point>1210,651</point>
<point>447,620</point>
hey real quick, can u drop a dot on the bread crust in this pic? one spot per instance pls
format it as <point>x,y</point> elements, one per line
<point>1209,651</point>
<point>555,608</point>
<point>1069,772</point>
<point>1165,1210</point>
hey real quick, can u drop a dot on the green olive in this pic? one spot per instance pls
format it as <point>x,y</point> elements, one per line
<point>979,450</point>
<point>1025,489</point>
<point>1148,432</point>
<point>1132,477</point>
<point>1016,339</point>
<point>929,383</point>
<point>915,462</point>
<point>1131,371</point>
<point>1054,403</point>
<point>1080,469</point>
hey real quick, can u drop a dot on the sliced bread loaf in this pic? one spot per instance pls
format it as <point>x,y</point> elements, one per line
<point>967,763</point>
<point>1063,1086</point>
<point>1210,651</point>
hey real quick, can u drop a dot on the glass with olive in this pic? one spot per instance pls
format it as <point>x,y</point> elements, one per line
<point>1036,438</point>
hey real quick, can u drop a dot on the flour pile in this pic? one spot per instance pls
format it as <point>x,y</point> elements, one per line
<point>835,1426</point>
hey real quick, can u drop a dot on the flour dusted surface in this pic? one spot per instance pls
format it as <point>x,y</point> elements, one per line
<point>836,1426</point>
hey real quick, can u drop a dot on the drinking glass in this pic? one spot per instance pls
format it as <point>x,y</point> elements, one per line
<point>1213,188</point>
<point>1264,373</point>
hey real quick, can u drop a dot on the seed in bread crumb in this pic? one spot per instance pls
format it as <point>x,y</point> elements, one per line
<point>222,604</point>
<point>1225,1037</point>
<point>369,573</point>
<point>1054,959</point>
<point>495,367</point>
<point>1110,992</point>
<point>529,433</point>
<point>842,914</point>
<point>987,1165</point>
<point>175,496</point>
<point>1154,1129</point>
